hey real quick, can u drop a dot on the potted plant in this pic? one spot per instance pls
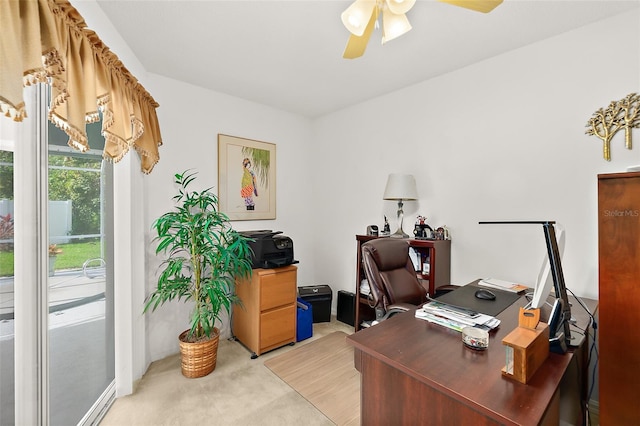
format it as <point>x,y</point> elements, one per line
<point>54,251</point>
<point>205,256</point>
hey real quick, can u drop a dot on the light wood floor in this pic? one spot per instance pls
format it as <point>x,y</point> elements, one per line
<point>323,372</point>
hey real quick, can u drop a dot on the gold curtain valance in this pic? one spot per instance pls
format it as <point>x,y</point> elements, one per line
<point>47,41</point>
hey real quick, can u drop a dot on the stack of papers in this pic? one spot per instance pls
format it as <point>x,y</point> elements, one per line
<point>364,287</point>
<point>454,317</point>
<point>503,285</point>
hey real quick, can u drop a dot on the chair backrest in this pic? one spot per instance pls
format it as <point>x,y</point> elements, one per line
<point>390,272</point>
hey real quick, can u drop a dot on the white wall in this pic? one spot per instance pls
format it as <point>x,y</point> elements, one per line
<point>500,140</point>
<point>191,118</point>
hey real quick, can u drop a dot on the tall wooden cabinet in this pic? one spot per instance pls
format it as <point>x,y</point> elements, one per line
<point>434,265</point>
<point>267,319</point>
<point>619,297</point>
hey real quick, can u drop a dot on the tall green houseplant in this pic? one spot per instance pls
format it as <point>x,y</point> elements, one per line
<point>205,256</point>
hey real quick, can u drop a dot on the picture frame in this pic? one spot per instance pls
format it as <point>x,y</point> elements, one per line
<point>246,178</point>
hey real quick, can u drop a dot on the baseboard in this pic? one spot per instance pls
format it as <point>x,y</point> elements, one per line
<point>593,415</point>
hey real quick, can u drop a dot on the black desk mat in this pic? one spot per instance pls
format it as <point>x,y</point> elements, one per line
<point>464,297</point>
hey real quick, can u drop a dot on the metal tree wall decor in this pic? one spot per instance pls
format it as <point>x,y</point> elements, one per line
<point>605,123</point>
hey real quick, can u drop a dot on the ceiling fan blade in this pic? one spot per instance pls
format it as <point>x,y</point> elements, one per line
<point>357,45</point>
<point>484,6</point>
<point>400,7</point>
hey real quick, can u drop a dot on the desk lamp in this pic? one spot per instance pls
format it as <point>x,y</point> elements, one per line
<point>400,187</point>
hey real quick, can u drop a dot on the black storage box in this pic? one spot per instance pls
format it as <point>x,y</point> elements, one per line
<point>346,307</point>
<point>320,297</point>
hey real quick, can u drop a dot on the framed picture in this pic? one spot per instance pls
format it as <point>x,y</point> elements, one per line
<point>246,178</point>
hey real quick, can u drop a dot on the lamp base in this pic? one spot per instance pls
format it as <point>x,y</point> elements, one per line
<point>399,234</point>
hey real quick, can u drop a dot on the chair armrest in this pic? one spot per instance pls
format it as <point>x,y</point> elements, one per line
<point>400,307</point>
<point>396,308</point>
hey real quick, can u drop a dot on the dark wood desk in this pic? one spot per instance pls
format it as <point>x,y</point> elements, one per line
<point>415,372</point>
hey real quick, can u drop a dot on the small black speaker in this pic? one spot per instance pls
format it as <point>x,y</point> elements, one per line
<point>346,307</point>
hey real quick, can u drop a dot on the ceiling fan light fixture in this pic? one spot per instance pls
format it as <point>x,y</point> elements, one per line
<point>356,17</point>
<point>358,44</point>
<point>393,26</point>
<point>400,6</point>
<point>362,17</point>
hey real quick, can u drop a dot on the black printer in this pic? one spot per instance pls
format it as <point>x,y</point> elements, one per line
<point>270,249</point>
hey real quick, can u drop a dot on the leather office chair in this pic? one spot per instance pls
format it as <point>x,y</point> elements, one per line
<point>392,278</point>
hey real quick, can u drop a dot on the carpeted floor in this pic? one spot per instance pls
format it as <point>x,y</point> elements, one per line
<point>240,391</point>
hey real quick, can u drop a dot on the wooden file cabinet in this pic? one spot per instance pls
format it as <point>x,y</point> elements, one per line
<point>619,295</point>
<point>267,319</point>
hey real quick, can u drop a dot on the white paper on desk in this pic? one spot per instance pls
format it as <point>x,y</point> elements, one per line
<point>502,285</point>
<point>482,320</point>
<point>364,287</point>
<point>494,282</point>
<point>445,322</point>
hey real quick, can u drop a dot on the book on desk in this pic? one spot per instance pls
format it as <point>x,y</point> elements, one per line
<point>495,283</point>
<point>454,317</point>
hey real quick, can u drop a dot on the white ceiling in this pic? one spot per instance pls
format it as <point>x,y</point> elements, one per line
<point>288,53</point>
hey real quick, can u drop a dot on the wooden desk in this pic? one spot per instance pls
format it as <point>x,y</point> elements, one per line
<point>415,372</point>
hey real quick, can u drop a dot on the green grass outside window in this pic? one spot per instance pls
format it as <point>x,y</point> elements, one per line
<point>73,256</point>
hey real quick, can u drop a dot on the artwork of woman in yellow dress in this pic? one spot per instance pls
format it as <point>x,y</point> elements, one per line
<point>248,187</point>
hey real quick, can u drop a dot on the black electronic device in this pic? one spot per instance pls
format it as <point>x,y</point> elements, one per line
<point>270,249</point>
<point>422,231</point>
<point>320,297</point>
<point>372,230</point>
<point>485,294</point>
<point>346,307</point>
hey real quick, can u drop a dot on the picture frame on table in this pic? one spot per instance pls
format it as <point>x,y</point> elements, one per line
<point>246,178</point>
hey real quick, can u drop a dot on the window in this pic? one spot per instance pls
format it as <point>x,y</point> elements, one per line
<point>57,309</point>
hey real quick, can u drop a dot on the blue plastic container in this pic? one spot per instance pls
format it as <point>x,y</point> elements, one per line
<point>304,328</point>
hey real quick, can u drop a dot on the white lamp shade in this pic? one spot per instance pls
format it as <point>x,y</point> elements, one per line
<point>400,187</point>
<point>356,17</point>
<point>400,6</point>
<point>393,25</point>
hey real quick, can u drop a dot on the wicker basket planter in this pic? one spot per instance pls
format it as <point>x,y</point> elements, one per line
<point>199,359</point>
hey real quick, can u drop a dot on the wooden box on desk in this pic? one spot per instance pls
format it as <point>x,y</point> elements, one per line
<point>526,350</point>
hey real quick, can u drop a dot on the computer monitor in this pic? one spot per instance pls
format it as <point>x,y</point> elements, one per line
<point>555,269</point>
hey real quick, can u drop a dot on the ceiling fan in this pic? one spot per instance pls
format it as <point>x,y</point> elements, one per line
<point>361,17</point>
